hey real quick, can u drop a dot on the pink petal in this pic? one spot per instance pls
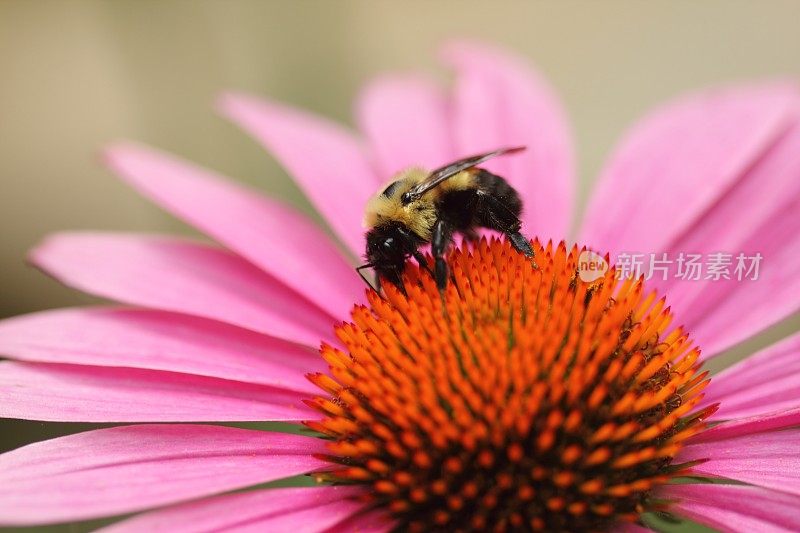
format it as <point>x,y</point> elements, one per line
<point>727,312</point>
<point>326,161</point>
<point>762,190</point>
<point>78,393</point>
<point>754,424</point>
<point>735,507</point>
<point>762,383</point>
<point>272,236</point>
<point>125,469</point>
<point>406,120</point>
<point>501,101</point>
<point>307,509</point>
<point>770,460</point>
<point>158,340</point>
<point>187,277</point>
<point>748,211</point>
<point>369,522</point>
<point>675,164</point>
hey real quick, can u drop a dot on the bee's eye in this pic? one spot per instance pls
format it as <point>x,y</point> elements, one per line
<point>388,243</point>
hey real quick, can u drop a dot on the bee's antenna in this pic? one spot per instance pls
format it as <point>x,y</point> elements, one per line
<point>363,277</point>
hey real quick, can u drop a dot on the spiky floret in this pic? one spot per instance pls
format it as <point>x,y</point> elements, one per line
<point>522,398</point>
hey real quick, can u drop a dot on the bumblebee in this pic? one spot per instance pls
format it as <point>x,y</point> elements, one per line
<point>420,207</point>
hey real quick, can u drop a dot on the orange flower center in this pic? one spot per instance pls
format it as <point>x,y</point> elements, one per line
<point>521,398</point>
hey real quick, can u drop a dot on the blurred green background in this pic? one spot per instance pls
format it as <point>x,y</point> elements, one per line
<point>77,74</point>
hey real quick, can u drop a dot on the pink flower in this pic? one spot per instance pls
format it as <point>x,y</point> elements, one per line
<point>213,334</point>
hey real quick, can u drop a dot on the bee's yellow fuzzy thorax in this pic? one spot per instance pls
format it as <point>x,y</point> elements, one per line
<point>418,216</point>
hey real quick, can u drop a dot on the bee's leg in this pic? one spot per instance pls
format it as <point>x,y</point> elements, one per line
<point>497,216</point>
<point>412,242</point>
<point>521,243</point>
<point>440,240</point>
<point>422,262</point>
<point>471,236</point>
<point>395,277</point>
<point>401,286</point>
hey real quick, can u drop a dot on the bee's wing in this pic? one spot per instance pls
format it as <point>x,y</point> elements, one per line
<point>448,171</point>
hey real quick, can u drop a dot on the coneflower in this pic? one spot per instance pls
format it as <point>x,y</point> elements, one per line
<point>523,398</point>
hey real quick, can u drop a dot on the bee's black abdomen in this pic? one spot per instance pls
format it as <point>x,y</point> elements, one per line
<point>492,204</point>
<point>459,208</point>
<point>499,203</point>
<point>499,188</point>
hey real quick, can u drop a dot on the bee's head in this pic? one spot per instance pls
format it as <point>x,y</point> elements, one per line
<point>388,242</point>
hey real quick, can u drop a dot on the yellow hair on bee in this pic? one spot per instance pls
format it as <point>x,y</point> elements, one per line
<point>460,182</point>
<point>420,215</point>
